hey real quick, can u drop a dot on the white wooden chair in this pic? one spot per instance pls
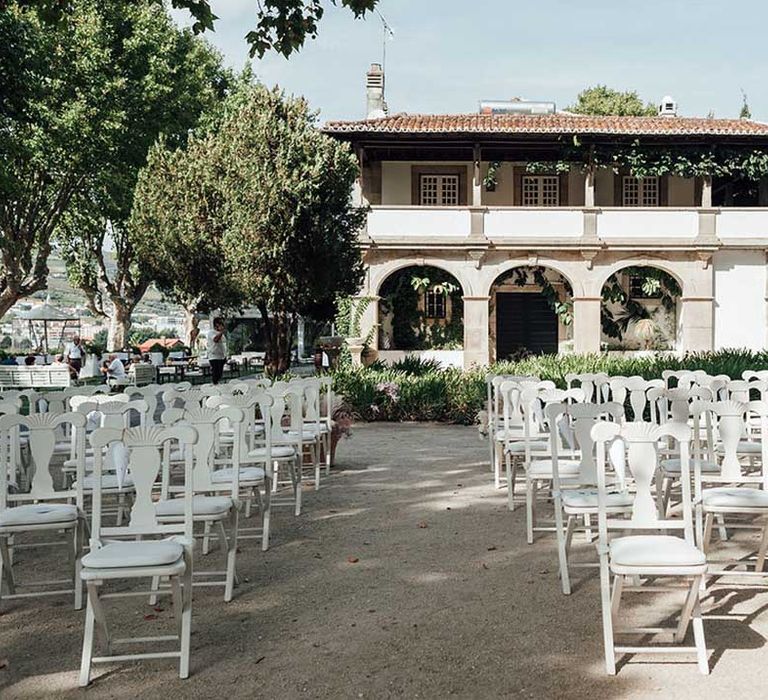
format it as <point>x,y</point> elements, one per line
<point>632,558</point>
<point>595,385</point>
<point>298,432</point>
<point>636,389</point>
<point>737,492</point>
<point>42,508</point>
<point>215,502</point>
<point>539,468</point>
<point>114,559</point>
<point>576,496</point>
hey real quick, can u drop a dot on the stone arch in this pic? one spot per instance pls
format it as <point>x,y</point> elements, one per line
<point>493,272</point>
<point>636,320</point>
<point>679,270</point>
<point>380,272</point>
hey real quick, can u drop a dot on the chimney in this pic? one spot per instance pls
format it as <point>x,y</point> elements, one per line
<point>668,107</point>
<point>374,89</point>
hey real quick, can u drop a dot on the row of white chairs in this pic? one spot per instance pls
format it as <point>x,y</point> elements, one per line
<point>165,459</point>
<point>685,454</point>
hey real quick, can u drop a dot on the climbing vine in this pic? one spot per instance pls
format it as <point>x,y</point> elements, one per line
<point>643,160</point>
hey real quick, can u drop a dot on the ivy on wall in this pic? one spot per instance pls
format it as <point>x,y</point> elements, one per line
<point>644,160</point>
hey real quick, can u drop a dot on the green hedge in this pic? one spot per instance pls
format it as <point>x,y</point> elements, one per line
<point>455,396</point>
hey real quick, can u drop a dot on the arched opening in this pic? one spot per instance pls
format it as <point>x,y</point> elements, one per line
<point>640,310</point>
<point>531,313</point>
<point>421,307</point>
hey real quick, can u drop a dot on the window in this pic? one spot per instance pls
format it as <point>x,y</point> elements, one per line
<point>541,191</point>
<point>439,190</point>
<point>434,304</point>
<point>640,192</point>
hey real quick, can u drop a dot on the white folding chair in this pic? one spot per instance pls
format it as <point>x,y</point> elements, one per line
<point>634,558</point>
<point>42,508</point>
<point>114,559</point>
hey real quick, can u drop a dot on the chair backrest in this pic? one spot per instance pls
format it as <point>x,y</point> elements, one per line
<point>173,398</point>
<point>30,399</point>
<point>311,387</point>
<point>208,423</point>
<point>641,440</point>
<point>42,429</point>
<point>728,420</point>
<point>247,403</point>
<point>675,404</point>
<point>682,378</point>
<point>145,446</point>
<point>148,393</point>
<point>115,414</point>
<point>636,388</point>
<point>595,385</point>
<point>507,402</point>
<point>751,374</point>
<point>580,418</point>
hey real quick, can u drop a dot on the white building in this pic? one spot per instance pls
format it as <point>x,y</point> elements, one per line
<point>519,186</point>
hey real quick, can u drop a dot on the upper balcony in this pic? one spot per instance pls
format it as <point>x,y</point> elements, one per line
<point>437,203</point>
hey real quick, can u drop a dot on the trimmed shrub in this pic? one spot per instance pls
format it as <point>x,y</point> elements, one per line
<point>411,391</point>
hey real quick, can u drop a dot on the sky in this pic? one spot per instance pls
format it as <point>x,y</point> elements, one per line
<point>446,55</point>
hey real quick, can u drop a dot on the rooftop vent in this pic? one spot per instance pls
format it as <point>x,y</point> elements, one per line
<point>668,107</point>
<point>516,106</point>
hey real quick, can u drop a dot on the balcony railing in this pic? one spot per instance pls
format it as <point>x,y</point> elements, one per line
<point>414,224</point>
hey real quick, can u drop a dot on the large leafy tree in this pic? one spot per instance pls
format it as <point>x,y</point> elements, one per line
<point>281,25</point>
<point>604,101</point>
<point>291,231</point>
<point>178,228</point>
<point>59,118</point>
<point>167,79</point>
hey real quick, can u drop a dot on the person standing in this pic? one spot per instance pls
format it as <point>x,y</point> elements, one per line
<point>74,353</point>
<point>217,349</point>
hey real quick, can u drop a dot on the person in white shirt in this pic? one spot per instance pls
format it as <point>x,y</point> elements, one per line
<point>74,354</point>
<point>217,349</point>
<point>113,370</point>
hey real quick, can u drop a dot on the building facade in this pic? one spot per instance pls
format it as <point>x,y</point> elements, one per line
<point>557,198</point>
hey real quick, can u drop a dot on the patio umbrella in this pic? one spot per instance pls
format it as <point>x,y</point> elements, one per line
<point>47,313</point>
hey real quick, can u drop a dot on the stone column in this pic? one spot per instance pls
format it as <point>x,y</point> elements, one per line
<point>586,324</point>
<point>706,192</point>
<point>697,323</point>
<point>369,322</point>
<point>476,331</point>
<point>589,188</point>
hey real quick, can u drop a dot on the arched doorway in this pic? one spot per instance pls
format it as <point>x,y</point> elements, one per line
<point>640,310</point>
<point>421,308</point>
<point>531,313</point>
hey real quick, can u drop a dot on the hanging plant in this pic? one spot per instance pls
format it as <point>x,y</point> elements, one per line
<point>491,179</point>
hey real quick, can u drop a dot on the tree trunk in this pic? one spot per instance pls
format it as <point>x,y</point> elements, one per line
<point>191,326</point>
<point>119,326</point>
<point>7,300</point>
<point>279,330</point>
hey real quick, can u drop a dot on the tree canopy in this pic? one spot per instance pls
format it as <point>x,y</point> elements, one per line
<point>281,25</point>
<point>270,194</point>
<point>604,101</point>
<point>167,79</point>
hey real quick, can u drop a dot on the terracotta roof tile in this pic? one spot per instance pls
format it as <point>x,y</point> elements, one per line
<point>548,124</point>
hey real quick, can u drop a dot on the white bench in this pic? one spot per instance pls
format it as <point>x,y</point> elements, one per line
<point>34,376</point>
<point>142,374</point>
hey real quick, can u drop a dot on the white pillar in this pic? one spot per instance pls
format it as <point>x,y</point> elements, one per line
<point>706,192</point>
<point>586,324</point>
<point>477,183</point>
<point>697,323</point>
<point>589,188</point>
<point>476,331</point>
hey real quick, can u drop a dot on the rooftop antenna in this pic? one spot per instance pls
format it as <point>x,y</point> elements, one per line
<point>387,34</point>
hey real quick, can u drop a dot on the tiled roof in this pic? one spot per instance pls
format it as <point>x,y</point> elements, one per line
<point>547,124</point>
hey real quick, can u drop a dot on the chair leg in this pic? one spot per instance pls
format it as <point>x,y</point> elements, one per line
<point>207,537</point>
<point>685,615</point>
<point>231,555</point>
<point>327,452</point>
<point>562,555</point>
<point>5,558</point>
<point>510,482</point>
<point>87,655</point>
<point>296,478</point>
<point>186,619</point>
<point>99,615</point>
<point>698,635</point>
<point>721,530</point>
<point>607,612</point>
<point>266,513</point>
<point>708,522</point>
<point>618,587</point>
<point>75,553</point>
<point>497,467</point>
<point>313,451</point>
<point>529,508</point>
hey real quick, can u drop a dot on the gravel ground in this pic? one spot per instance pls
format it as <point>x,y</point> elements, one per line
<point>405,577</point>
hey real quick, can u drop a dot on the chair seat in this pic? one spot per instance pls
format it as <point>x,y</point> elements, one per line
<point>654,551</point>
<point>201,505</point>
<point>38,514</point>
<point>565,467</point>
<point>278,452</point>
<point>246,474</point>
<point>518,434</point>
<point>122,555</point>
<point>587,500</point>
<point>745,447</point>
<point>108,481</point>
<point>323,428</point>
<point>734,497</point>
<point>306,435</point>
<point>672,466</point>
<point>519,447</point>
